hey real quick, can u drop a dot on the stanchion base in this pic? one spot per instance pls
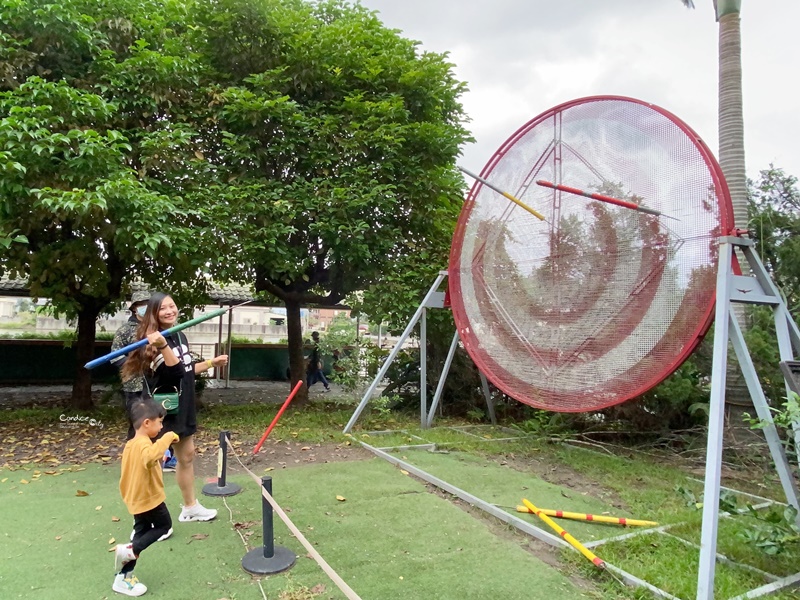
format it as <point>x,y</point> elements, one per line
<point>229,489</point>
<point>256,563</point>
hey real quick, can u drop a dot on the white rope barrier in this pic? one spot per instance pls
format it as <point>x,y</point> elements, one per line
<point>340,583</point>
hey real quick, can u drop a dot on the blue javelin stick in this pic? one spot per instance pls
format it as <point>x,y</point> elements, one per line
<point>143,342</point>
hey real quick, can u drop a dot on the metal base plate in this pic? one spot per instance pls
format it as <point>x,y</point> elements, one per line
<point>229,489</point>
<point>256,563</point>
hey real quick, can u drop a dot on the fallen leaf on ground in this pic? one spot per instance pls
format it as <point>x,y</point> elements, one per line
<point>98,508</point>
<point>58,537</point>
<point>341,498</point>
<point>115,519</point>
<point>404,472</point>
<point>81,493</point>
<point>112,541</point>
<point>199,536</point>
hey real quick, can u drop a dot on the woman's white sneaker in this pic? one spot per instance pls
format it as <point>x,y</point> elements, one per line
<point>196,512</point>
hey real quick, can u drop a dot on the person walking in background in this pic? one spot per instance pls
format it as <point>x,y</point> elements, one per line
<point>167,366</point>
<point>141,486</point>
<point>133,386</point>
<point>314,368</point>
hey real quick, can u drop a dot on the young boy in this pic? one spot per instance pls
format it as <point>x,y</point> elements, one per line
<point>142,489</point>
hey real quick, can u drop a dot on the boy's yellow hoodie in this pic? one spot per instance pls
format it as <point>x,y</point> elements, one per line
<point>141,483</point>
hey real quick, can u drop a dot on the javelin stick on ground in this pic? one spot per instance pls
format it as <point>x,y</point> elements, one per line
<point>181,326</point>
<point>596,560</point>
<point>601,198</point>
<point>297,387</point>
<point>561,514</point>
<point>519,203</point>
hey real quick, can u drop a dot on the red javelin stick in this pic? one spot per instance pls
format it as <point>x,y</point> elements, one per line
<point>601,197</point>
<point>278,416</point>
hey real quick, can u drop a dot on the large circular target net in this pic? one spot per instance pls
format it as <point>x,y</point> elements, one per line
<point>600,301</point>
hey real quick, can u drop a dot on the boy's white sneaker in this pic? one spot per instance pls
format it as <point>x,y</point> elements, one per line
<point>128,585</point>
<point>196,512</point>
<point>122,556</point>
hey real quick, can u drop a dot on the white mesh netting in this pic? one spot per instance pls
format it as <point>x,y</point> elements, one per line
<point>598,303</point>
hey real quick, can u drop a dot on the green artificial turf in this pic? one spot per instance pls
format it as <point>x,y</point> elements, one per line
<point>389,538</point>
<point>505,487</point>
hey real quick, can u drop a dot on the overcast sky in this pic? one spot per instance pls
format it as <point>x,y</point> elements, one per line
<point>522,57</point>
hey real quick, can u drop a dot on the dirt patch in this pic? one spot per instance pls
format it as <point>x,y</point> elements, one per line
<point>275,454</point>
<point>79,442</point>
<point>561,475</point>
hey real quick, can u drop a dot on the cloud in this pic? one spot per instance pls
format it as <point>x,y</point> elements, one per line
<point>520,58</point>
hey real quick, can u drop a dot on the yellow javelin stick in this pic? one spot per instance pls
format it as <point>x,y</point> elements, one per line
<point>519,203</point>
<point>596,560</point>
<point>562,514</point>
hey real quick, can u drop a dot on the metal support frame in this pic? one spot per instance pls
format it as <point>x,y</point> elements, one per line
<point>393,354</point>
<point>756,289</point>
<point>433,299</point>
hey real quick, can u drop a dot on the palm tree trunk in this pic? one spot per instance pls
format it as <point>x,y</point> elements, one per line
<point>731,159</point>
<point>731,119</point>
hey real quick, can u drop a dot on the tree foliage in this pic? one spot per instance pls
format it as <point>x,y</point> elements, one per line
<point>334,143</point>
<point>299,145</point>
<point>73,142</point>
<point>775,225</point>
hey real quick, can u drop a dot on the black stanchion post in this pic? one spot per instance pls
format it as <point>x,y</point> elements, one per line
<point>269,558</point>
<point>221,487</point>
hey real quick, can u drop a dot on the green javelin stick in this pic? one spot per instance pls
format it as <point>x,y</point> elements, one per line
<point>131,347</point>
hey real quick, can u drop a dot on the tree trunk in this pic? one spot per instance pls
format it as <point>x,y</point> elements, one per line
<point>82,386</point>
<point>297,363</point>
<point>731,119</point>
<point>731,159</point>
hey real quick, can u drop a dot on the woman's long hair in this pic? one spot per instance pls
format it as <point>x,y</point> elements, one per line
<point>142,357</point>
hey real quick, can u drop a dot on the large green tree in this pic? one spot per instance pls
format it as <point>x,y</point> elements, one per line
<point>299,145</point>
<point>334,143</point>
<point>83,108</point>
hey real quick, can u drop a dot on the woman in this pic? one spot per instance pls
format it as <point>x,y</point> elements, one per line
<point>167,366</point>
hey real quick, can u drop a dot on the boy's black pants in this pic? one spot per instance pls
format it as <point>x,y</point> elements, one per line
<point>147,528</point>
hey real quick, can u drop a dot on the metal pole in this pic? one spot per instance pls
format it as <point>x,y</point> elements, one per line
<point>217,374</point>
<point>716,417</point>
<point>267,528</point>
<point>385,367</point>
<point>489,402</point>
<point>221,488</point>
<point>443,377</point>
<point>269,558</point>
<point>230,349</point>
<point>423,369</point>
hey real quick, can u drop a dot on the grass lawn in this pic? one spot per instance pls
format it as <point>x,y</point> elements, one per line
<point>392,537</point>
<point>388,539</point>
